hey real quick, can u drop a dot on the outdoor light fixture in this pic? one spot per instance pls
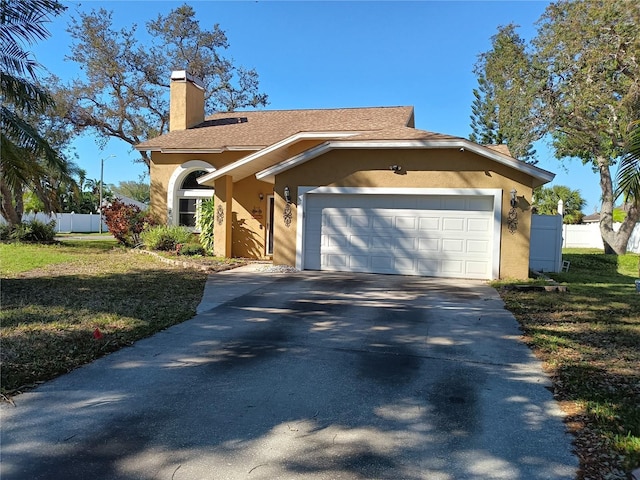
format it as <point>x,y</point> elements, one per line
<point>512,217</point>
<point>260,196</point>
<point>395,168</point>
<point>287,213</point>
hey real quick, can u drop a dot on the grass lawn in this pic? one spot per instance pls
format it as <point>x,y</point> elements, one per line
<point>589,340</point>
<point>54,297</point>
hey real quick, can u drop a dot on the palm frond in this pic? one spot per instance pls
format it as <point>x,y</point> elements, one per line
<point>24,19</point>
<point>628,176</point>
<point>23,94</point>
<point>24,136</point>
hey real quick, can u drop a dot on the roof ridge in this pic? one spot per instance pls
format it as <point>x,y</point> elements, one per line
<point>310,109</point>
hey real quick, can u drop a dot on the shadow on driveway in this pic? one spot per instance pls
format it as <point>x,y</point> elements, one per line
<point>307,375</point>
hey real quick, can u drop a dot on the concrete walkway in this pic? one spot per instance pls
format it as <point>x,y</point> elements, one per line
<point>304,375</point>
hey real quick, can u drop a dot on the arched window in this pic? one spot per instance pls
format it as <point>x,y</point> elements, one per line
<point>190,182</point>
<point>185,194</point>
<point>190,197</point>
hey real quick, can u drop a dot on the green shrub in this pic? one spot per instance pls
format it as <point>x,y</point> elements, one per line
<point>5,231</point>
<point>31,231</point>
<point>191,249</point>
<point>164,237</point>
<point>205,218</point>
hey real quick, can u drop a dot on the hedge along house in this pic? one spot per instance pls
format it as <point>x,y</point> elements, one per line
<point>355,189</point>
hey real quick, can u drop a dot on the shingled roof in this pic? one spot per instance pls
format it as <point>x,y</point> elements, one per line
<point>254,130</point>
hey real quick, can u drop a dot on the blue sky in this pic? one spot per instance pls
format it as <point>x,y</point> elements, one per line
<point>338,54</point>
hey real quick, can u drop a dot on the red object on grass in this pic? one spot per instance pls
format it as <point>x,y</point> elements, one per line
<point>97,334</point>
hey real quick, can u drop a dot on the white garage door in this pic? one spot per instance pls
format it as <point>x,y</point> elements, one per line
<point>439,236</point>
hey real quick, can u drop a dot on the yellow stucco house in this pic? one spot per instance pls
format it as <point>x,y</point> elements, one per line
<point>353,189</point>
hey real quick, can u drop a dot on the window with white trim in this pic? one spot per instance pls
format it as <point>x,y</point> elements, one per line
<point>190,197</point>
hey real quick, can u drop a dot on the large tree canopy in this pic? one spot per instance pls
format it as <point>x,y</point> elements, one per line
<point>502,110</point>
<point>584,91</point>
<point>588,51</point>
<point>124,93</point>
<point>28,161</point>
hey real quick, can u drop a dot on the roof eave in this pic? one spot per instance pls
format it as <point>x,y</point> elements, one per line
<point>251,148</point>
<point>539,176</point>
<point>237,169</point>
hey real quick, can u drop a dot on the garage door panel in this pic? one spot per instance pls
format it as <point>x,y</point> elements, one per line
<point>334,260</point>
<point>359,242</point>
<point>453,224</point>
<point>380,242</point>
<point>359,262</point>
<point>478,246</point>
<point>455,203</point>
<point>360,221</point>
<point>452,267</point>
<point>337,241</point>
<point>383,222</point>
<point>429,223</point>
<point>478,225</point>
<point>450,245</point>
<point>476,268</point>
<point>397,234</point>
<point>404,223</point>
<point>406,243</point>
<point>429,203</point>
<point>428,267</point>
<point>335,220</point>
<point>429,244</point>
<point>404,264</point>
<point>481,204</point>
<point>381,262</point>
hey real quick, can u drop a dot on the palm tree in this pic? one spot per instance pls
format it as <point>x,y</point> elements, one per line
<point>25,155</point>
<point>628,177</point>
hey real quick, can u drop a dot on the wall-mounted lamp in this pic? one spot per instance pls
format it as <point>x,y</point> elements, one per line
<point>261,196</point>
<point>287,194</point>
<point>512,217</point>
<point>395,168</point>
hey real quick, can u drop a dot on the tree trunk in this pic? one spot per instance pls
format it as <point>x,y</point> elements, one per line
<point>614,242</point>
<point>11,214</point>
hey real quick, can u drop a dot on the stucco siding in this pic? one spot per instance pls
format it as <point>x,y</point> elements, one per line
<point>163,166</point>
<point>420,169</point>
<point>250,218</point>
<point>186,105</point>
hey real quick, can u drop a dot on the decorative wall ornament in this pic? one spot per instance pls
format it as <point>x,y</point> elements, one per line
<point>220,214</point>
<point>287,216</point>
<point>512,220</point>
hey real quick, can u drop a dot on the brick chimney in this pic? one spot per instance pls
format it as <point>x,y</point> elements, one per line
<point>186,101</point>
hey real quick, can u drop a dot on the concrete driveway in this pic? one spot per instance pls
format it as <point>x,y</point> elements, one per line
<point>307,375</point>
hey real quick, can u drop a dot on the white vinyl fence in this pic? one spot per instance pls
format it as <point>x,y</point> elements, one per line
<point>549,236</point>
<point>588,236</point>
<point>545,253</point>
<point>68,222</point>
